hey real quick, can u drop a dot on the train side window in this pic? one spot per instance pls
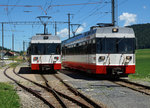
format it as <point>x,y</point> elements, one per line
<point>85,48</point>
<point>81,48</point>
<point>89,47</point>
<point>93,47</point>
<point>93,41</point>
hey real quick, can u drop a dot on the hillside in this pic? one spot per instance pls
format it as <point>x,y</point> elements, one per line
<point>4,49</point>
<point>142,33</point>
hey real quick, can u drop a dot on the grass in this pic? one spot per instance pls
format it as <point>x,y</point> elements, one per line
<point>8,96</point>
<point>142,65</point>
<point>13,65</point>
<point>17,58</point>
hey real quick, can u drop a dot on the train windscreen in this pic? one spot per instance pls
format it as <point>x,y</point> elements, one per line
<point>115,45</point>
<point>45,48</point>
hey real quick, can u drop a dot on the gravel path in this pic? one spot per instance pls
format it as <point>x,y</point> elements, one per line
<point>110,94</point>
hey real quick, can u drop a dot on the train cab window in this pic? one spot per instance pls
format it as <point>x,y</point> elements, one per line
<point>106,45</point>
<point>44,49</point>
<point>110,45</point>
<point>126,45</point>
<point>115,45</point>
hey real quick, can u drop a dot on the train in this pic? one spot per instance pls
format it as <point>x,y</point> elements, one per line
<point>44,52</point>
<point>103,50</point>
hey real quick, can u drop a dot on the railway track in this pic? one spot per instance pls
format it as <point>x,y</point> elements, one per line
<point>134,86</point>
<point>78,99</point>
<point>79,96</point>
<point>128,84</point>
<point>29,89</point>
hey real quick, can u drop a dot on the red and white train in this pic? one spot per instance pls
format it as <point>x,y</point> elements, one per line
<point>44,52</point>
<point>102,50</point>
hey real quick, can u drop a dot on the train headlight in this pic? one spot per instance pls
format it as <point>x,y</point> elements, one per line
<point>102,58</point>
<point>56,58</point>
<point>128,57</point>
<point>35,58</point>
<point>114,30</point>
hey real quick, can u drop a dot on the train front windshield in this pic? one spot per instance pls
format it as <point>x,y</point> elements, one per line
<point>45,48</point>
<point>115,45</point>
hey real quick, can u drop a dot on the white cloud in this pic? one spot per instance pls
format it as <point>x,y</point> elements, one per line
<point>144,7</point>
<point>64,32</point>
<point>81,28</point>
<point>129,18</point>
<point>84,24</point>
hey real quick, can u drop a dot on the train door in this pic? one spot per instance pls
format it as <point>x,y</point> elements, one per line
<point>91,55</point>
<point>88,54</point>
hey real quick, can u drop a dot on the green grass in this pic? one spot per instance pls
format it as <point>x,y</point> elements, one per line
<point>16,58</point>
<point>8,96</point>
<point>142,65</point>
<point>13,65</point>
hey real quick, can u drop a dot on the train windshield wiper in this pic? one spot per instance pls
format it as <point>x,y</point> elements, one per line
<point>120,40</point>
<point>117,44</point>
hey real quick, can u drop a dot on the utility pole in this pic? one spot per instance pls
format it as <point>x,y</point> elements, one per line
<point>113,13</point>
<point>12,42</point>
<point>23,46</point>
<point>55,28</point>
<point>2,40</point>
<point>13,45</point>
<point>23,50</point>
<point>69,25</point>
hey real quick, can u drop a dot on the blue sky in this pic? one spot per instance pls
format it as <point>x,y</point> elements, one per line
<point>129,12</point>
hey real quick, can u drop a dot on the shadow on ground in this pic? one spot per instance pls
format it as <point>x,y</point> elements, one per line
<point>76,74</point>
<point>27,70</point>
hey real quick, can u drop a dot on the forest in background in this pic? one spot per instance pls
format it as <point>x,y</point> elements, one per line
<point>142,34</point>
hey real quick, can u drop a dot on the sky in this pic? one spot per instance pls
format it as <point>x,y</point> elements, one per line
<point>128,12</point>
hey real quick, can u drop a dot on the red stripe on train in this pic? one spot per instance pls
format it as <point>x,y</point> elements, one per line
<point>39,66</point>
<point>98,69</point>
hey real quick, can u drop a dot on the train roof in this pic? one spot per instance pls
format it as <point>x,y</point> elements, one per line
<point>115,32</point>
<point>103,32</point>
<point>45,39</point>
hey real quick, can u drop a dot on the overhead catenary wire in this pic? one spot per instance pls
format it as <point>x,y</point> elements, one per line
<point>91,24</point>
<point>72,4</point>
<point>82,8</point>
<point>38,6</point>
<point>45,11</point>
<point>17,2</point>
<point>91,14</point>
